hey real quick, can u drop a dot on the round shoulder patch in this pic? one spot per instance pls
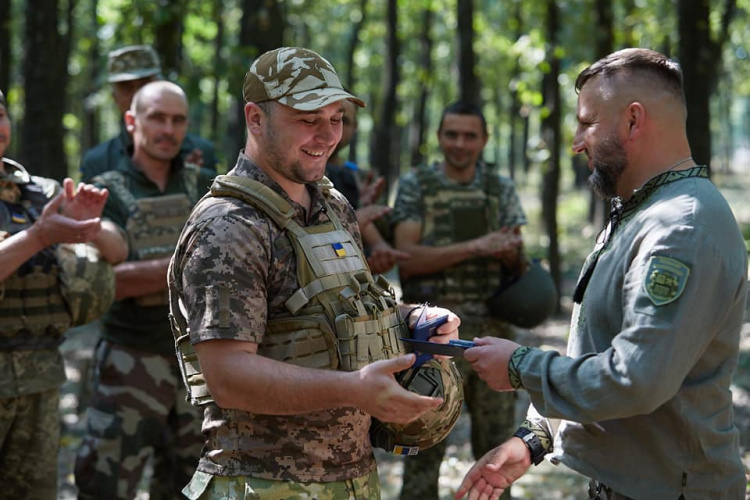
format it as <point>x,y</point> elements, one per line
<point>665,279</point>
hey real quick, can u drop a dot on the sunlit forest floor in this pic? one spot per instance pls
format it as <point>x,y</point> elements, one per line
<point>545,482</point>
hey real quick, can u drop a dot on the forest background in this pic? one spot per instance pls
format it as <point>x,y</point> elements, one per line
<point>406,58</point>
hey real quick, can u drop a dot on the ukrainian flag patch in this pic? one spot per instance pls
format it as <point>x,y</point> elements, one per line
<point>18,218</point>
<point>339,249</point>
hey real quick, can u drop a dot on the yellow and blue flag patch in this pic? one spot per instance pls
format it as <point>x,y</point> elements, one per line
<point>339,249</point>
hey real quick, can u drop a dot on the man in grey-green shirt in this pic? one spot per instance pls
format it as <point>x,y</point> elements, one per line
<point>643,393</point>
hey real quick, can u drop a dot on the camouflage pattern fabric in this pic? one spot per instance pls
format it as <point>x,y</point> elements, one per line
<point>450,213</point>
<point>138,409</point>
<point>132,63</point>
<point>492,415</point>
<point>241,270</point>
<point>295,77</point>
<point>207,487</point>
<point>87,281</point>
<point>29,440</point>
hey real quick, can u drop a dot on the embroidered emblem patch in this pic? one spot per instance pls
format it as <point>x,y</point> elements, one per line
<point>18,218</point>
<point>339,249</point>
<point>665,279</point>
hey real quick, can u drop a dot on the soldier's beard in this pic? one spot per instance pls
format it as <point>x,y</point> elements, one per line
<point>610,161</point>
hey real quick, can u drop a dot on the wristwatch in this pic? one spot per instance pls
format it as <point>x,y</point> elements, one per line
<point>533,443</point>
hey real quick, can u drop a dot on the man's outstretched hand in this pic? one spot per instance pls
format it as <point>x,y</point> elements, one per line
<point>496,471</point>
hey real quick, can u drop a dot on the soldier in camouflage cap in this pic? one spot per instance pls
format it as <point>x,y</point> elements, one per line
<point>460,221</point>
<point>138,407</point>
<point>36,216</point>
<point>285,336</point>
<point>129,69</point>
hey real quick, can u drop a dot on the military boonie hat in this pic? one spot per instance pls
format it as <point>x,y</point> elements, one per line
<point>295,77</point>
<point>133,62</point>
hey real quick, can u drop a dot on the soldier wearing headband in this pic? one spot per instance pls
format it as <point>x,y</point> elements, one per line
<point>129,69</point>
<point>44,231</point>
<point>284,335</point>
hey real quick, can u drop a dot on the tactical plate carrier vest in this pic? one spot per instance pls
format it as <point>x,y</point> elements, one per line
<point>33,313</point>
<point>453,214</point>
<point>154,223</point>
<point>341,317</point>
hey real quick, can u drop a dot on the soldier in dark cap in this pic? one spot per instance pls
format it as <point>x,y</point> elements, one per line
<point>38,218</point>
<point>129,69</point>
<point>285,337</point>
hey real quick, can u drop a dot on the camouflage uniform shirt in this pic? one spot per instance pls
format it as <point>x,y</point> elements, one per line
<point>236,275</point>
<point>26,370</point>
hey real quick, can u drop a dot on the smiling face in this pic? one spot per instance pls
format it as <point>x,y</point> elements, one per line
<point>462,139</point>
<point>158,122</point>
<point>597,137</point>
<point>296,144</point>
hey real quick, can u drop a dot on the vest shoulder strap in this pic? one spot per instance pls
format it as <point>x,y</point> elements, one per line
<point>115,182</point>
<point>257,194</point>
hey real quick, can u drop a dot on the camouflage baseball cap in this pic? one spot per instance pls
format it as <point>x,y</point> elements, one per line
<point>132,63</point>
<point>295,77</point>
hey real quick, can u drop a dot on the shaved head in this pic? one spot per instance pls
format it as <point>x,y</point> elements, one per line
<point>153,89</point>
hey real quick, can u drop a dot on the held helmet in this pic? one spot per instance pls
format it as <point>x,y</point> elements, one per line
<point>87,281</point>
<point>435,378</point>
<point>527,300</point>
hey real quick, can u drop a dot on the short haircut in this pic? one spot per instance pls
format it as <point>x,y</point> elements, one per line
<point>3,102</point>
<point>463,108</point>
<point>654,65</point>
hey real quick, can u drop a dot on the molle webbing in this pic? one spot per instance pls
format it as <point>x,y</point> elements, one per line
<point>34,308</point>
<point>452,214</point>
<point>336,289</point>
<point>154,223</point>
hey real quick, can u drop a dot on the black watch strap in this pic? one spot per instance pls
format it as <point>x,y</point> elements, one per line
<point>533,443</point>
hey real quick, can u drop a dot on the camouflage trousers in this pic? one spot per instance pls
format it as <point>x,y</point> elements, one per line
<point>492,415</point>
<point>138,410</point>
<point>29,443</point>
<point>205,486</point>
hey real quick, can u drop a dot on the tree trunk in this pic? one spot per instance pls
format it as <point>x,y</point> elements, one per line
<point>261,29</point>
<point>551,136</point>
<point>469,87</point>
<point>350,76</point>
<point>384,152</point>
<point>515,102</point>
<point>168,36</point>
<point>45,89</point>
<point>219,72</point>
<point>700,57</point>
<point>420,123</point>
<point>598,208</point>
<point>91,123</point>
<point>5,50</point>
